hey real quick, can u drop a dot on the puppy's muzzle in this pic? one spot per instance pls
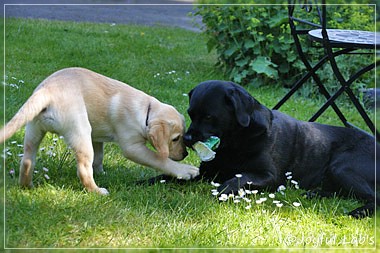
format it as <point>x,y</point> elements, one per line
<point>180,156</point>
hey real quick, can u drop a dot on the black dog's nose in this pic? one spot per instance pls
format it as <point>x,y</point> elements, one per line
<point>188,140</point>
<point>187,137</point>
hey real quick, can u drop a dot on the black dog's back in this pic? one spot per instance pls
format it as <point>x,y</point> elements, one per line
<point>308,149</point>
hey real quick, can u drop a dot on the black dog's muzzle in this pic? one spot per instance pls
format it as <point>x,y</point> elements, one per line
<point>188,140</point>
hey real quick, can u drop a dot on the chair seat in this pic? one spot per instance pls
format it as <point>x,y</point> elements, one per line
<point>348,38</point>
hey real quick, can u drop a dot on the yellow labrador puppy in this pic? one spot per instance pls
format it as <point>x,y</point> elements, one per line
<point>87,109</point>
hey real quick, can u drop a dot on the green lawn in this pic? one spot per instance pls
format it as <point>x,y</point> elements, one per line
<point>165,63</point>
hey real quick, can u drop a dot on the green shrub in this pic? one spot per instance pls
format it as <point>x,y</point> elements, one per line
<point>255,47</point>
<point>250,41</point>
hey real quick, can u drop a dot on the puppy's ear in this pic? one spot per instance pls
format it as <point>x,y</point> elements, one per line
<point>158,135</point>
<point>242,104</point>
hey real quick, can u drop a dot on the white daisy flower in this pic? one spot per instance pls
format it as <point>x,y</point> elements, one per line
<point>281,188</point>
<point>223,197</point>
<point>215,184</point>
<point>241,192</point>
<point>263,199</point>
<point>247,200</point>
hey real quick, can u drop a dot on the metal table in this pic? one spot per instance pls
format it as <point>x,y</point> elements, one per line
<point>335,42</point>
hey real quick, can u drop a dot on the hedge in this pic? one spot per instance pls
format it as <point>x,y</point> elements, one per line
<point>255,47</point>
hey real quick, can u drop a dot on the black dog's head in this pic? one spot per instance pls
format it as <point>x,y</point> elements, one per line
<point>220,108</point>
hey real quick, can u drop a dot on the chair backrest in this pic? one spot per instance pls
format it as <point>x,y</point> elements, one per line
<point>305,15</point>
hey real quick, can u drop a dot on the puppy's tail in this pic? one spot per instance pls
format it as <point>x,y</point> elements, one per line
<point>39,100</point>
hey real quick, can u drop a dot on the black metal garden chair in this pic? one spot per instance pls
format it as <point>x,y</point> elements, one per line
<point>335,43</point>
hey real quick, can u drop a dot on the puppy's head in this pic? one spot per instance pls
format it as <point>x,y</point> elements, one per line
<point>219,108</point>
<point>166,128</point>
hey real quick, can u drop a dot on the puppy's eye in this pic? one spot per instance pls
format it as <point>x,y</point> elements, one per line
<point>176,139</point>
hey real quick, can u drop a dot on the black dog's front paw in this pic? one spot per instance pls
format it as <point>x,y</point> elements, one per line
<point>317,194</point>
<point>311,194</point>
<point>230,186</point>
<point>233,185</point>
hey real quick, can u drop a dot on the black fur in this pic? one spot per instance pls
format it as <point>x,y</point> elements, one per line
<point>263,144</point>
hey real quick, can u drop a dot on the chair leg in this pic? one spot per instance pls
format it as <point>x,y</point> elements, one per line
<point>356,103</point>
<point>293,90</point>
<point>330,101</point>
<point>361,110</point>
<point>323,90</point>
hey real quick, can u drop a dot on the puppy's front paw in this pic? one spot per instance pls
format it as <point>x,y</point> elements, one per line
<point>102,191</point>
<point>187,172</point>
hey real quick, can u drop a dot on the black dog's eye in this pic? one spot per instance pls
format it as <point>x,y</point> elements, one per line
<point>208,118</point>
<point>176,139</point>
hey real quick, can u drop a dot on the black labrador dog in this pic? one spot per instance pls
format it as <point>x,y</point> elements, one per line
<point>263,144</point>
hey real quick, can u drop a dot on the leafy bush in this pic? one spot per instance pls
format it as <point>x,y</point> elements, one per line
<point>255,47</point>
<point>250,41</point>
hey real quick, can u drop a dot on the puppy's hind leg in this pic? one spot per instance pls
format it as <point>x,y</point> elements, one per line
<point>81,143</point>
<point>32,140</point>
<point>97,165</point>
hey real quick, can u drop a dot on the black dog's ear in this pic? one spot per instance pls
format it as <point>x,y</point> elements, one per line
<point>242,104</point>
<point>261,118</point>
<point>248,110</point>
